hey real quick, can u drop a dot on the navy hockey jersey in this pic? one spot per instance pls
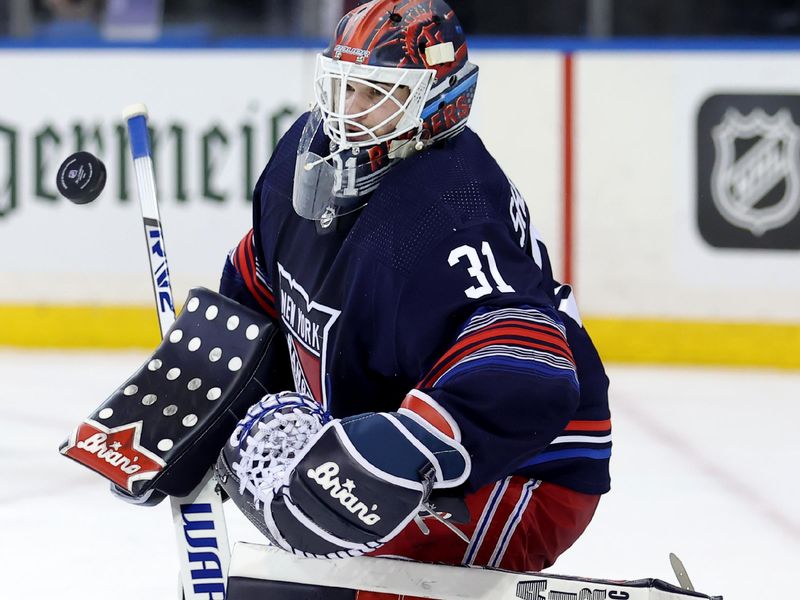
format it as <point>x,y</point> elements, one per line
<point>439,287</point>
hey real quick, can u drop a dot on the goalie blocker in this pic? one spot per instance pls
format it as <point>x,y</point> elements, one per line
<point>160,431</point>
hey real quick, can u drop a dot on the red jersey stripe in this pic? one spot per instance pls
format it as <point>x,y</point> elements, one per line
<point>244,261</point>
<point>588,425</point>
<point>520,328</point>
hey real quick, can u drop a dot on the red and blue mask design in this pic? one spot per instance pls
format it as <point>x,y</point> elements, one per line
<point>395,79</point>
<point>413,35</point>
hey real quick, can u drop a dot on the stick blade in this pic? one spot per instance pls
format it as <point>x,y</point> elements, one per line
<point>680,572</point>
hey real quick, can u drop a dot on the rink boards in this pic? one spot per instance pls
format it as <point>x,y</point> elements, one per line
<point>676,219</point>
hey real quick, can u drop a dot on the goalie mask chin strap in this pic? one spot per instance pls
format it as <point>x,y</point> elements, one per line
<point>310,165</point>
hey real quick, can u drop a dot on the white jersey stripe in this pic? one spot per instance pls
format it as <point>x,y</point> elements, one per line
<point>525,354</point>
<point>511,524</point>
<point>521,353</point>
<point>531,315</point>
<point>522,313</point>
<point>482,525</point>
<point>492,318</point>
<point>581,439</point>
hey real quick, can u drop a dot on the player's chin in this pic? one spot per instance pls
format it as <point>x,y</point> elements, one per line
<point>358,137</point>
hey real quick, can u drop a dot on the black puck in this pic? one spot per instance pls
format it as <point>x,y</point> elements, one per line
<point>81,177</point>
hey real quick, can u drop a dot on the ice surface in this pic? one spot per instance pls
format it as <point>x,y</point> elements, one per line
<point>705,465</point>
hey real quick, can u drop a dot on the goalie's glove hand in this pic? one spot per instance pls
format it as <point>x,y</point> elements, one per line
<point>331,488</point>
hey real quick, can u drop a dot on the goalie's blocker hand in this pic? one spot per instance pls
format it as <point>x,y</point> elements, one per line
<point>334,488</point>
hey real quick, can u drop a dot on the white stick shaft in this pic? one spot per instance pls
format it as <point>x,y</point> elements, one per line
<point>202,538</point>
<point>200,530</point>
<point>148,201</point>
<point>154,237</point>
<point>146,186</point>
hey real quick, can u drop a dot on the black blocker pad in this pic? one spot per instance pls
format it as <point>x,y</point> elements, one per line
<point>163,428</point>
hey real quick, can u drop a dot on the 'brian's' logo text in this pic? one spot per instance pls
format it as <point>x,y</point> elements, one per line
<point>326,476</point>
<point>96,444</point>
<point>114,452</point>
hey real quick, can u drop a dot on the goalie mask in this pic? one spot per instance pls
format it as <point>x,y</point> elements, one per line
<point>394,80</point>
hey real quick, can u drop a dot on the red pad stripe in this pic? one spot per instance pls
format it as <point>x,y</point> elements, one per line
<point>588,425</point>
<point>429,413</point>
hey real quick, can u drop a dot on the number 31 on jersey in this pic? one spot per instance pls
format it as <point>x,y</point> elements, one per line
<point>475,267</point>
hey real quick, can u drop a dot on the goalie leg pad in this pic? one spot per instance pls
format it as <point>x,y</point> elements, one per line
<point>163,428</point>
<point>246,588</point>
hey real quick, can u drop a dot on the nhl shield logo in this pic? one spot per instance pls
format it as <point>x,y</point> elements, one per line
<point>748,171</point>
<point>741,180</point>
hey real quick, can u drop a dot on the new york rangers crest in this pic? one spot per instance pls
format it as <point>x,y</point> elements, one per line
<point>309,324</point>
<point>741,181</point>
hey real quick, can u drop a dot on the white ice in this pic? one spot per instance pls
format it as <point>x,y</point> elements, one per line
<point>705,465</point>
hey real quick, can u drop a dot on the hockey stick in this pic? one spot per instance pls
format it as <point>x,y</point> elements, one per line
<point>256,569</point>
<point>136,117</point>
<point>680,572</point>
<point>200,529</point>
